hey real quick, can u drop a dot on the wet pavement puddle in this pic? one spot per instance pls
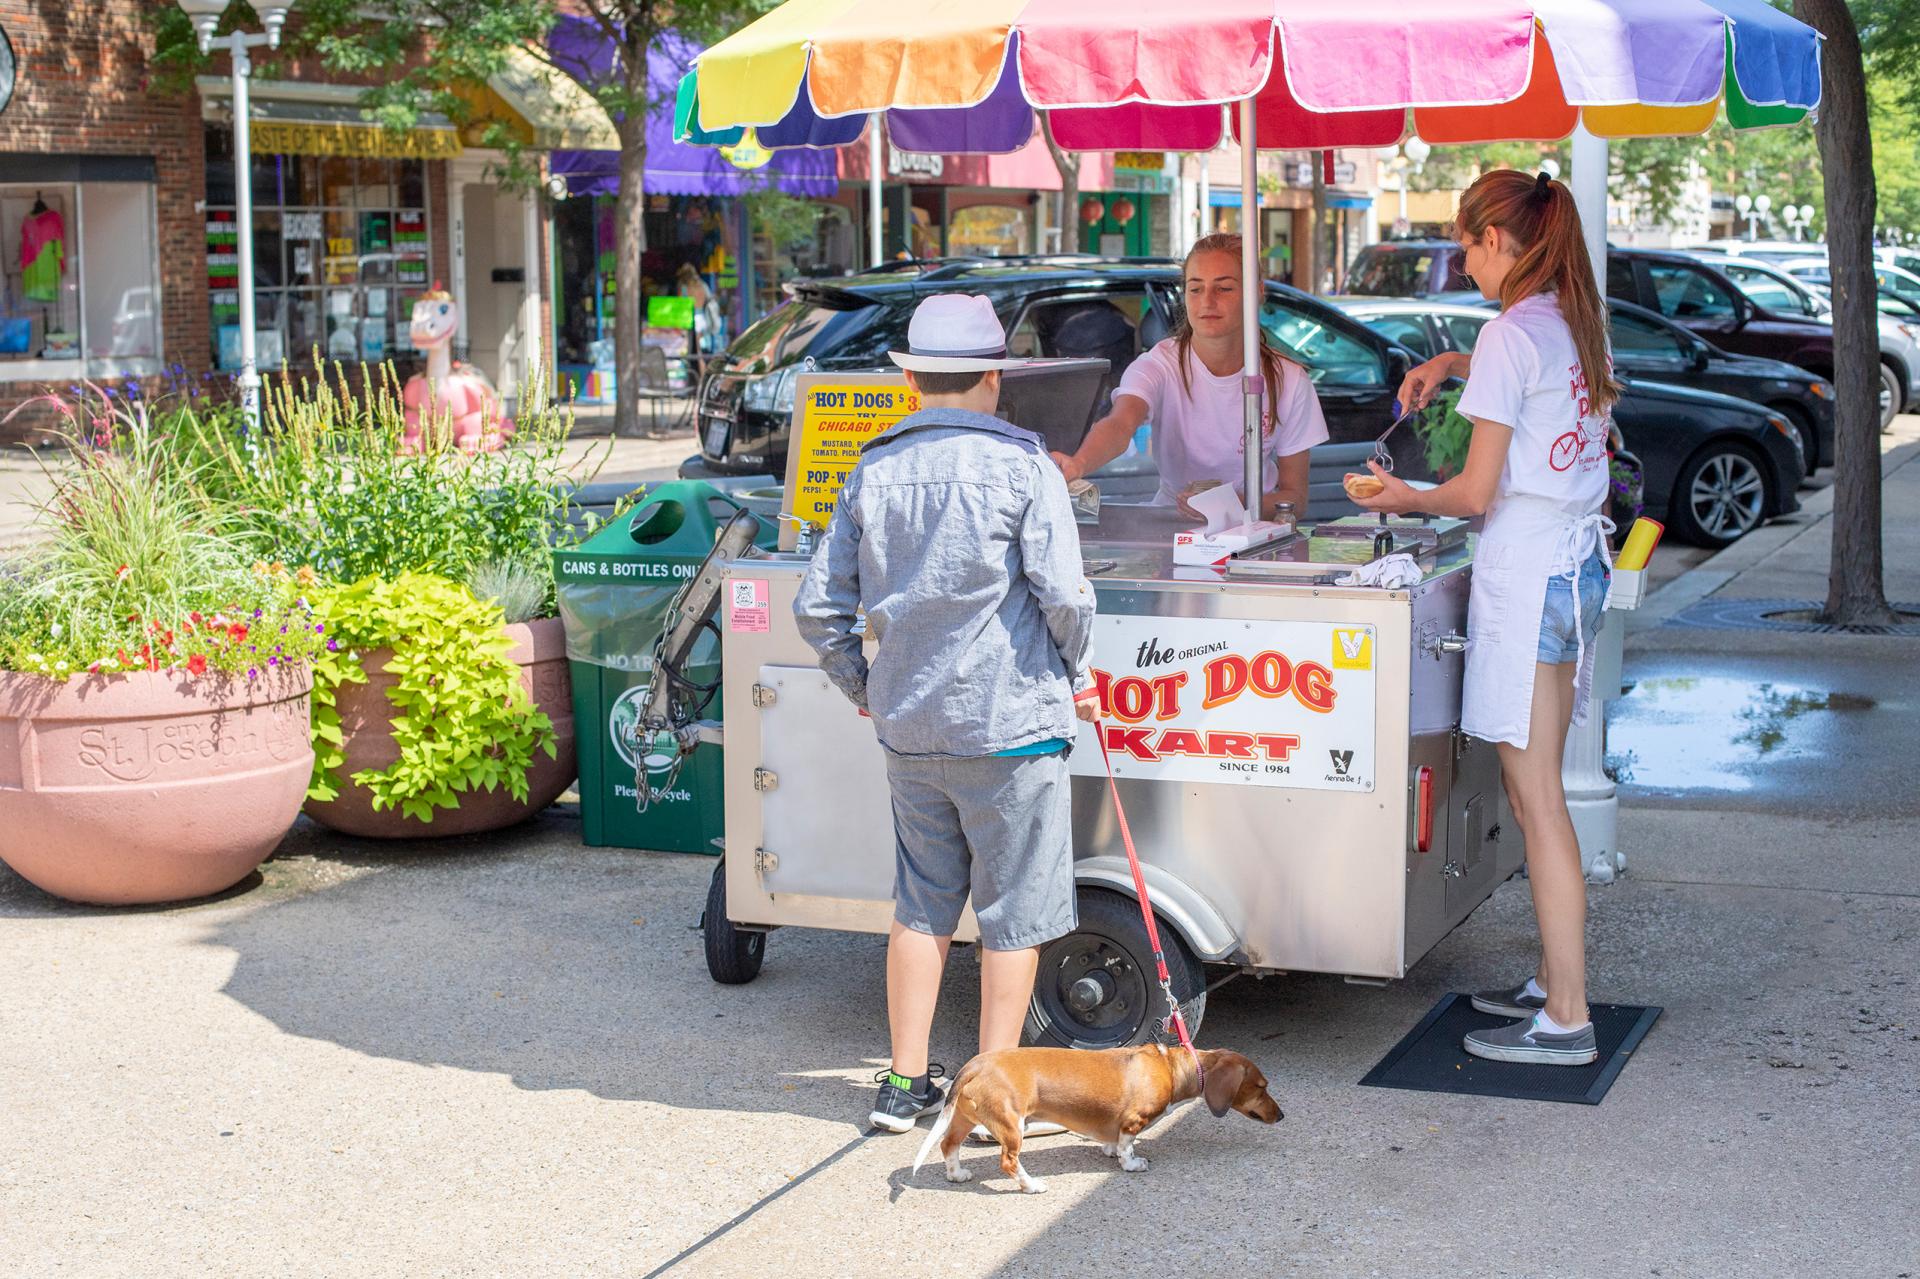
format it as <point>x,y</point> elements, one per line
<point>1711,733</point>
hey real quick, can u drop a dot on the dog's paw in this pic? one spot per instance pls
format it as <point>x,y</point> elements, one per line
<point>1110,1150</point>
<point>959,1175</point>
<point>1034,1186</point>
<point>1133,1163</point>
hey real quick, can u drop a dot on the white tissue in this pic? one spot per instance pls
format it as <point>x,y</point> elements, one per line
<point>1220,506</point>
<point>1390,572</point>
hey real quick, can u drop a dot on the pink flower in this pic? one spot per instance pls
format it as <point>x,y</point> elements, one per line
<point>197,664</point>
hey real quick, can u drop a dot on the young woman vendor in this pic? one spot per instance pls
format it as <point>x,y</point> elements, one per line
<point>1189,388</point>
<point>1539,390</point>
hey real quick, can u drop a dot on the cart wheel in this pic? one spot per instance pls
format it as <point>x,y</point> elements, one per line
<point>734,955</point>
<point>1096,986</point>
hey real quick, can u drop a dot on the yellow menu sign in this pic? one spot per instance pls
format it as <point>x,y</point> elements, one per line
<point>833,418</point>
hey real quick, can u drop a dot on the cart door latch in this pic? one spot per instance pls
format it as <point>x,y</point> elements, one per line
<point>1449,643</point>
<point>764,697</point>
<point>764,862</point>
<point>765,779</point>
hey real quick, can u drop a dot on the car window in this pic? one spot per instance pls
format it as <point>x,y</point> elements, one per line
<point>1767,290</point>
<point>1332,357</point>
<point>1620,281</point>
<point>1688,294</point>
<point>848,337</point>
<point>1408,330</point>
<point>1383,271</point>
<point>1106,326</point>
<point>1463,331</point>
<point>1644,341</point>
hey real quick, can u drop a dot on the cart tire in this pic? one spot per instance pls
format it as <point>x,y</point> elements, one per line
<point>734,955</point>
<point>1096,986</point>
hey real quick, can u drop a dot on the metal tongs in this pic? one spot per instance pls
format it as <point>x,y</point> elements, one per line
<point>1382,458</point>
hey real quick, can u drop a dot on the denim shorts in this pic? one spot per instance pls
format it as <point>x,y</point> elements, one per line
<point>1558,640</point>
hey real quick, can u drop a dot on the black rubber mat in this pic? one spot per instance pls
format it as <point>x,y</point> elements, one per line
<point>1430,1058</point>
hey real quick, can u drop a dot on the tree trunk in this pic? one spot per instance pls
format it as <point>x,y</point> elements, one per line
<point>1069,167</point>
<point>1316,242</point>
<point>630,244</point>
<point>1856,589</point>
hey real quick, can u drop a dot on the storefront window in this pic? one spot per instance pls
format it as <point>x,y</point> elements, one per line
<point>79,282</point>
<point>340,254</point>
<point>989,231</point>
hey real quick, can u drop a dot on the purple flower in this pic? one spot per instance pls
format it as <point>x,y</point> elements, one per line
<point>256,612</point>
<point>333,646</point>
<point>253,672</point>
<point>283,630</point>
<point>319,628</point>
<point>273,661</point>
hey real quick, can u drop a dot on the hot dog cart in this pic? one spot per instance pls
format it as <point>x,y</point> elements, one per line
<point>1287,748</point>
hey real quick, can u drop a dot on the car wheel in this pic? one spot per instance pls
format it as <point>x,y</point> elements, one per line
<point>1720,496</point>
<point>1096,986</point>
<point>1890,394</point>
<point>1809,439</point>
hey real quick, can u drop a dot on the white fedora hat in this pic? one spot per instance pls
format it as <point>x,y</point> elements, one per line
<point>955,333</point>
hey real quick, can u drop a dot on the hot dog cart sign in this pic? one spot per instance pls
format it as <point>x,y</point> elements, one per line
<point>1270,703</point>
<point>833,418</point>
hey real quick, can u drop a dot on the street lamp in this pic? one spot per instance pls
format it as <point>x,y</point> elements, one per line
<point>1410,158</point>
<point>1798,219</point>
<point>206,20</point>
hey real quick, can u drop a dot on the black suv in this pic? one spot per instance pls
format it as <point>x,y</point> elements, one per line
<point>1053,307</point>
<point>1409,269</point>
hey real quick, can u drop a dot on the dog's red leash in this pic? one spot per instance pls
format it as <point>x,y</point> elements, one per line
<point>1175,1018</point>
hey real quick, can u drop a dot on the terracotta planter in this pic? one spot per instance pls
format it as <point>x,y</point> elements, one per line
<point>149,787</point>
<point>540,647</point>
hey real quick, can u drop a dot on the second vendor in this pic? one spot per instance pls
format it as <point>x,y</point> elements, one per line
<point>1189,388</point>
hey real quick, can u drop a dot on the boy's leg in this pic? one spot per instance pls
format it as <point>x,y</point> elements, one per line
<point>914,963</point>
<point>931,881</point>
<point>1006,988</point>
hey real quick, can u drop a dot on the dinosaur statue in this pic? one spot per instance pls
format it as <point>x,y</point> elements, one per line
<point>456,398</point>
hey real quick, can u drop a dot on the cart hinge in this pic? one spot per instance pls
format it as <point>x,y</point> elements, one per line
<point>765,779</point>
<point>764,862</point>
<point>764,697</point>
<point>1453,870</point>
<point>1462,743</point>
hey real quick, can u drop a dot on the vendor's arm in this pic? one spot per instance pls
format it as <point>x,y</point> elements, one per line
<point>1300,427</point>
<point>828,603</point>
<point>1417,391</point>
<point>1105,439</point>
<point>1050,555</point>
<point>1464,496</point>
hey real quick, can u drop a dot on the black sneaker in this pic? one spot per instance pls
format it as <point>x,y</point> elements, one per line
<point>1509,1003</point>
<point>899,1107</point>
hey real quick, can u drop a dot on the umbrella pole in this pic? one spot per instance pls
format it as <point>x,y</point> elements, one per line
<point>874,243</point>
<point>1251,291</point>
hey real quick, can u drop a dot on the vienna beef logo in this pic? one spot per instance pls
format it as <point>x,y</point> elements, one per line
<point>1225,680</point>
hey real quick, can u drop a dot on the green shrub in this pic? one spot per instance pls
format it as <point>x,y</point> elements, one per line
<point>462,719</point>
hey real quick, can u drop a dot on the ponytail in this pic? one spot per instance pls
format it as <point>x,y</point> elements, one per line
<point>1539,214</point>
<point>1270,359</point>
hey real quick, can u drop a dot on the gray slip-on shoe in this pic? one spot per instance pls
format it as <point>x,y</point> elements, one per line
<point>1522,1042</point>
<point>1509,1003</point>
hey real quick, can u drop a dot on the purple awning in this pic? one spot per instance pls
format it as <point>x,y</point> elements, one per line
<point>673,168</point>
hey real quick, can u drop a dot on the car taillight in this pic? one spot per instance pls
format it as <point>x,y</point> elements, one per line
<point>1423,809</point>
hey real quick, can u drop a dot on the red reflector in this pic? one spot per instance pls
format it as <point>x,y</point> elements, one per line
<point>1423,801</point>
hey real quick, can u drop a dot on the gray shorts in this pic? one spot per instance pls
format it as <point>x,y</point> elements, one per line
<point>998,827</point>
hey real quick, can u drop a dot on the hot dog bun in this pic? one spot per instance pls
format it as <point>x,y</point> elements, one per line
<point>1363,485</point>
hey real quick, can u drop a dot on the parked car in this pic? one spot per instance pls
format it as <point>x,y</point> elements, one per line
<point>1646,347</point>
<point>1701,294</point>
<point>1758,250</point>
<point>1714,466</point>
<point>1409,269</point>
<point>1052,307</point>
<point>1899,289</point>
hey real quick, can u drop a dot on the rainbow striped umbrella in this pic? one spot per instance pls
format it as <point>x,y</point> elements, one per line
<point>1148,75</point>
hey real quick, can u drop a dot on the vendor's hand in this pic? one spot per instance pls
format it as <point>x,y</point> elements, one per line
<point>1087,707</point>
<point>1425,379</point>
<point>1182,501</point>
<point>1396,498</point>
<point>1069,467</point>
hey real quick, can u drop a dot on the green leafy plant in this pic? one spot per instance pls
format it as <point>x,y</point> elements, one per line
<point>328,483</point>
<point>131,565</point>
<point>463,721</point>
<point>1444,432</point>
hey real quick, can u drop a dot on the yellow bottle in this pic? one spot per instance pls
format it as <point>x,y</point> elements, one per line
<point>1638,549</point>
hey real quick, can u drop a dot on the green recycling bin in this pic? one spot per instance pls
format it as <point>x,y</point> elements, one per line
<point>614,590</point>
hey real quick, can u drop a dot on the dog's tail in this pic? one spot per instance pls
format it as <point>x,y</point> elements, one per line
<point>940,1126</point>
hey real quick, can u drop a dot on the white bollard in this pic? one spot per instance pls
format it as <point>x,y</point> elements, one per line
<point>1592,801</point>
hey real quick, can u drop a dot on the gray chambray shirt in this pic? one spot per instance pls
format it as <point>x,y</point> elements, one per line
<point>956,537</point>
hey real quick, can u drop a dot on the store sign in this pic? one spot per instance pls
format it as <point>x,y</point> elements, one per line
<point>914,164</point>
<point>1266,703</point>
<point>1140,161</point>
<point>833,418</point>
<point>1299,173</point>
<point>747,153</point>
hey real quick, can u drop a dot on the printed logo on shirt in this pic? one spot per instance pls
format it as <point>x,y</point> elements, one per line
<point>1353,650</point>
<point>1585,446</point>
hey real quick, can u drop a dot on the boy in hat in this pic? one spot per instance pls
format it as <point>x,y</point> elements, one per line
<point>956,537</point>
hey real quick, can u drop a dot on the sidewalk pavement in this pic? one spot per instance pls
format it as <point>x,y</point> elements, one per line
<point>503,1055</point>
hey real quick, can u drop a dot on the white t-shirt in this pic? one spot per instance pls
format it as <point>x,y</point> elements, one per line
<point>1526,375</point>
<point>1198,433</point>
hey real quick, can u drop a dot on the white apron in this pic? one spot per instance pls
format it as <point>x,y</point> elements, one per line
<point>1523,537</point>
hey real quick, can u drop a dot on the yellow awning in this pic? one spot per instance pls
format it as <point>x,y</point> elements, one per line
<point>543,107</point>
